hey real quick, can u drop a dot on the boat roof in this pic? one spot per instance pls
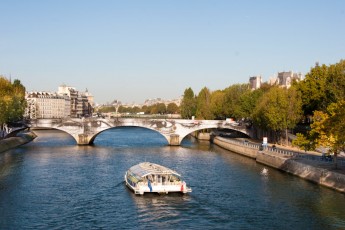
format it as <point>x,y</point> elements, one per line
<point>146,168</point>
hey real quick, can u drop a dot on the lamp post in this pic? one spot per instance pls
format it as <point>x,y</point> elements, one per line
<point>116,104</point>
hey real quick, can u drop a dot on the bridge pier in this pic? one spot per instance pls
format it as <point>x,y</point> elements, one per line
<point>174,140</point>
<point>83,139</point>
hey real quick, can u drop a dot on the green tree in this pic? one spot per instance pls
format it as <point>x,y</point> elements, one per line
<point>153,109</point>
<point>232,100</point>
<point>135,110</point>
<point>322,86</point>
<point>161,108</point>
<point>217,104</point>
<point>5,100</point>
<point>248,101</point>
<point>279,109</point>
<point>144,109</point>
<point>12,101</point>
<point>314,90</point>
<point>327,130</point>
<point>335,83</point>
<point>203,105</point>
<point>335,126</point>
<point>108,109</point>
<point>188,104</point>
<point>172,108</point>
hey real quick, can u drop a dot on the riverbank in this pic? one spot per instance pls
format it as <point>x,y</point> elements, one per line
<point>13,142</point>
<point>320,172</point>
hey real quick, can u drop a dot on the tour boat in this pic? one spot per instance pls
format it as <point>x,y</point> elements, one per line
<point>149,177</point>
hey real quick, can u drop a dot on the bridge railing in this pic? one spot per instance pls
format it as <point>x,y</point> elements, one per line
<point>147,116</point>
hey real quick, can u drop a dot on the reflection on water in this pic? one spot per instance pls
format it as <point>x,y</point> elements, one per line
<point>158,210</point>
<point>52,183</point>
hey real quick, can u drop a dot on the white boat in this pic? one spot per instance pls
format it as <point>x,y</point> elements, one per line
<point>149,177</point>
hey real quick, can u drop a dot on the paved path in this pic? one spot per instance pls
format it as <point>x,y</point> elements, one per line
<point>308,157</point>
<point>314,158</point>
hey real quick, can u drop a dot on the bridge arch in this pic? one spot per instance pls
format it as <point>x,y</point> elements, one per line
<point>84,131</point>
<point>64,131</point>
<point>92,139</point>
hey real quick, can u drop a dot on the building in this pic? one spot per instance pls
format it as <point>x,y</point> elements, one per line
<point>72,93</point>
<point>80,104</point>
<point>255,82</point>
<point>67,102</point>
<point>285,79</point>
<point>149,102</point>
<point>90,98</point>
<point>282,79</point>
<point>47,105</point>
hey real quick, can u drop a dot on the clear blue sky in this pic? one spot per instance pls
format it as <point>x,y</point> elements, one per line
<point>134,50</point>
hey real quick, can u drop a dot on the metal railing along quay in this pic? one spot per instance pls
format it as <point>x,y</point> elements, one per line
<point>294,154</point>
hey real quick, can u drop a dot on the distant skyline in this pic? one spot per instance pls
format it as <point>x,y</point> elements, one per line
<point>136,50</point>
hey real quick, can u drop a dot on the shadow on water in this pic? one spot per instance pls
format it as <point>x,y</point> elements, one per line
<point>128,137</point>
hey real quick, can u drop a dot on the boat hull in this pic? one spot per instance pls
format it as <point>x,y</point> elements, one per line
<point>140,186</point>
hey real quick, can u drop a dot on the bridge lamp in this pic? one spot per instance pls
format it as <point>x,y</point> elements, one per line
<point>116,104</point>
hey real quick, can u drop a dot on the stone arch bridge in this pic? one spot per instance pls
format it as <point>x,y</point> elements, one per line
<point>85,130</point>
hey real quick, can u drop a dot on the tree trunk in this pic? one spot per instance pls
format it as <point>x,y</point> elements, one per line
<point>286,137</point>
<point>336,159</point>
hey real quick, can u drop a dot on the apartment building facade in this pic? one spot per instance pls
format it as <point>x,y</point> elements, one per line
<point>67,102</point>
<point>47,105</point>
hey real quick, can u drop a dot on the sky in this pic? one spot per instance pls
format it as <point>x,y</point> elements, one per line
<point>136,50</point>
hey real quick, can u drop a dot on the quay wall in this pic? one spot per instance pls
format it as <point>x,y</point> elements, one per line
<point>13,142</point>
<point>245,149</point>
<point>287,163</point>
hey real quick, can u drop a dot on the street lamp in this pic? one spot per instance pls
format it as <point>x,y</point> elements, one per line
<point>116,104</point>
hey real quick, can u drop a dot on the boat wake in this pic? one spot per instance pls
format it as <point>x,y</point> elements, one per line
<point>119,184</point>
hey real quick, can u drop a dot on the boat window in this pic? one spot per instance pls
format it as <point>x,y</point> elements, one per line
<point>174,178</point>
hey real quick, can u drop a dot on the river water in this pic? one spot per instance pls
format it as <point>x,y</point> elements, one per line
<point>51,183</point>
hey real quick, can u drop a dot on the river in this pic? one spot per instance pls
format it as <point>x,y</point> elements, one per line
<point>51,183</point>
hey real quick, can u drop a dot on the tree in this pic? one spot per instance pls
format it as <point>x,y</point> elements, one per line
<point>135,109</point>
<point>322,86</point>
<point>216,104</point>
<point>107,109</point>
<point>335,82</point>
<point>188,104</point>
<point>232,100</point>
<point>144,109</point>
<point>335,127</point>
<point>203,105</point>
<point>279,109</point>
<point>172,108</point>
<point>327,130</point>
<point>319,136</point>
<point>323,92</point>
<point>249,101</point>
<point>161,108</point>
<point>313,90</point>
<point>12,101</point>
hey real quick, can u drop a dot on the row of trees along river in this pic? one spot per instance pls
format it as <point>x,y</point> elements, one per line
<point>313,108</point>
<point>12,102</point>
<point>316,102</point>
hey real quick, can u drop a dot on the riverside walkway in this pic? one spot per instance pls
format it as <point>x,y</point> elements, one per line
<point>305,164</point>
<point>310,157</point>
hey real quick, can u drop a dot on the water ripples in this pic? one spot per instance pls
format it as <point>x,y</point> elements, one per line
<point>49,185</point>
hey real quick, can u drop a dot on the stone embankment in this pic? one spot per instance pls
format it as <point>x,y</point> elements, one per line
<point>13,142</point>
<point>320,172</point>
